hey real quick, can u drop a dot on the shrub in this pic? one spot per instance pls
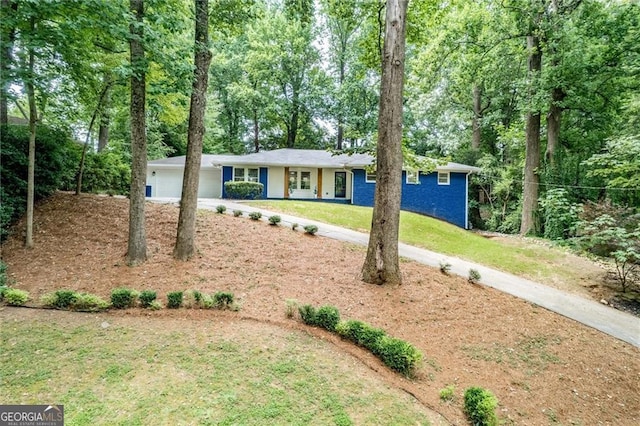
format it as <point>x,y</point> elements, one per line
<point>448,394</point>
<point>174,299</point>
<point>294,226</point>
<point>308,314</point>
<point>398,355</point>
<point>474,276</point>
<point>123,298</point>
<point>255,215</point>
<point>3,274</point>
<point>15,297</point>
<point>291,307</point>
<point>223,299</point>
<point>559,214</point>
<point>275,220</point>
<point>63,299</point>
<point>311,229</point>
<point>360,333</point>
<point>445,267</point>
<point>88,303</point>
<point>147,297</point>
<point>480,406</point>
<point>155,305</point>
<point>221,208</point>
<point>244,190</point>
<point>328,317</point>
<point>207,301</point>
<point>237,213</point>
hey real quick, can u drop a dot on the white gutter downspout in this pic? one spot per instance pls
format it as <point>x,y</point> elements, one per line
<point>466,202</point>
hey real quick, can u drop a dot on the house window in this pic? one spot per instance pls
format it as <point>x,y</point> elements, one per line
<point>299,180</point>
<point>241,174</point>
<point>305,180</point>
<point>443,178</point>
<point>413,177</point>
<point>370,176</point>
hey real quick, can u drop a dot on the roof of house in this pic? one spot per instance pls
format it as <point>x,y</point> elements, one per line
<point>294,158</point>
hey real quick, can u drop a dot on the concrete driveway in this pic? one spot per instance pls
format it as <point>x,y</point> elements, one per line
<point>621,325</point>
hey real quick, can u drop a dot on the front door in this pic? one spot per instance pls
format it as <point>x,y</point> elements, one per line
<point>341,185</point>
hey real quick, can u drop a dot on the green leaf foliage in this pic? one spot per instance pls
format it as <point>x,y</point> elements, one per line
<point>244,190</point>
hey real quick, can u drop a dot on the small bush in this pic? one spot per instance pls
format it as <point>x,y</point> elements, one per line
<point>123,298</point>
<point>63,299</point>
<point>223,300</point>
<point>398,355</point>
<point>360,333</point>
<point>89,303</point>
<point>255,215</point>
<point>147,297</point>
<point>448,394</point>
<point>291,308</point>
<point>308,314</point>
<point>311,229</point>
<point>221,208</point>
<point>328,317</point>
<point>174,299</point>
<point>15,297</point>
<point>275,220</point>
<point>3,274</point>
<point>445,267</point>
<point>294,226</point>
<point>480,406</point>
<point>155,305</point>
<point>244,190</point>
<point>237,213</point>
<point>474,276</point>
<point>207,301</point>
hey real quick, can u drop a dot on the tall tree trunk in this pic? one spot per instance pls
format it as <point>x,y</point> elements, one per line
<point>553,124</point>
<point>532,156</point>
<point>256,131</point>
<point>31,166</point>
<point>382,265</point>
<point>185,240</point>
<point>340,136</point>
<point>293,124</point>
<point>105,117</point>
<point>7,7</point>
<point>477,117</point>
<point>137,247</point>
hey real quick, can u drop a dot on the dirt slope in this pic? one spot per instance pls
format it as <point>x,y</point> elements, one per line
<point>544,368</point>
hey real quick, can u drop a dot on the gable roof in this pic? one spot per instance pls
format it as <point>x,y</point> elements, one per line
<point>290,157</point>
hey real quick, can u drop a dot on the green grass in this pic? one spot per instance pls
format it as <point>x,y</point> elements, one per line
<point>197,375</point>
<point>533,261</point>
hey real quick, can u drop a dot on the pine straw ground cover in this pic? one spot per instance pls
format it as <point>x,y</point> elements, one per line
<point>543,368</point>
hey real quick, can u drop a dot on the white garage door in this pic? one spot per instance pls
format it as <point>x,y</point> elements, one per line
<point>210,184</point>
<point>168,183</point>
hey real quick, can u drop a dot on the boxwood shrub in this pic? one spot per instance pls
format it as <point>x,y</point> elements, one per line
<point>174,299</point>
<point>123,298</point>
<point>480,406</point>
<point>147,297</point>
<point>398,355</point>
<point>244,190</point>
<point>15,297</point>
<point>328,317</point>
<point>308,315</point>
<point>63,299</point>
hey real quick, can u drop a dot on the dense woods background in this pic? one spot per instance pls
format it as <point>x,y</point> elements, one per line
<point>543,95</point>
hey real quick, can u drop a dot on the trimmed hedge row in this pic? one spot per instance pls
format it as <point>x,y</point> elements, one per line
<point>397,354</point>
<point>244,190</point>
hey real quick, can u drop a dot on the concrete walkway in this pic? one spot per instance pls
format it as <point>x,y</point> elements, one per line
<point>619,324</point>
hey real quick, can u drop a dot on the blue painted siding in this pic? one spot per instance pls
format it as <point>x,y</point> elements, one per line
<point>264,175</point>
<point>227,175</point>
<point>446,202</point>
<point>362,193</point>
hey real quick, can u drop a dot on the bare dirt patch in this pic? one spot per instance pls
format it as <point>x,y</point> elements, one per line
<point>544,368</point>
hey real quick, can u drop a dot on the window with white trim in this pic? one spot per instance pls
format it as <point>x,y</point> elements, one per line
<point>413,177</point>
<point>370,176</point>
<point>299,179</point>
<point>443,178</point>
<point>241,174</point>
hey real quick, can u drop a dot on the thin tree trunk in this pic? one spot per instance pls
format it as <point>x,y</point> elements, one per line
<point>532,156</point>
<point>477,116</point>
<point>33,117</point>
<point>256,131</point>
<point>88,139</point>
<point>6,8</point>
<point>553,124</point>
<point>105,118</point>
<point>137,246</point>
<point>340,136</point>
<point>382,265</point>
<point>185,240</point>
